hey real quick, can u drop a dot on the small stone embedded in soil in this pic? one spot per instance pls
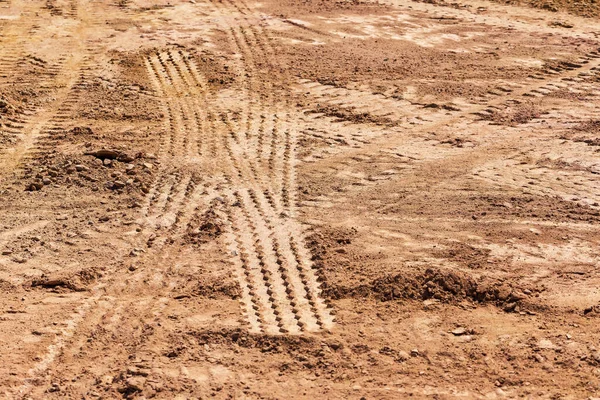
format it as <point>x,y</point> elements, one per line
<point>36,185</point>
<point>459,331</point>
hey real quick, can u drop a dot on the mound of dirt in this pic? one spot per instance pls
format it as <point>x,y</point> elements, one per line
<point>446,286</point>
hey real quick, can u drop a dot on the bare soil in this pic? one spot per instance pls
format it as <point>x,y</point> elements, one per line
<point>299,199</point>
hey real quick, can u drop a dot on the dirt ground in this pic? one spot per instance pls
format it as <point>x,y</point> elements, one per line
<point>285,199</point>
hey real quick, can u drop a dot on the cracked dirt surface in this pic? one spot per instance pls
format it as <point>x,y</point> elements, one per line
<point>281,199</point>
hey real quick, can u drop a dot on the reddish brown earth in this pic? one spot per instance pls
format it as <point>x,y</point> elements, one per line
<point>299,199</point>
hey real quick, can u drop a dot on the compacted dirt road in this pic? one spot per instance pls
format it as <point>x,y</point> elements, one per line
<point>299,199</point>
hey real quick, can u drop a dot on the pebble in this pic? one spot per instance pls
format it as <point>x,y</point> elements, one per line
<point>37,185</point>
<point>107,162</point>
<point>118,185</point>
<point>136,383</point>
<point>403,355</point>
<point>459,331</point>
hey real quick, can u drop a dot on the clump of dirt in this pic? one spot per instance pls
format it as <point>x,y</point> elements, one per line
<point>513,116</point>
<point>76,281</point>
<point>213,287</point>
<point>204,228</point>
<point>81,130</point>
<point>6,108</point>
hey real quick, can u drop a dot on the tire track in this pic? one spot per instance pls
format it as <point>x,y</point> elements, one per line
<point>291,285</point>
<point>40,125</point>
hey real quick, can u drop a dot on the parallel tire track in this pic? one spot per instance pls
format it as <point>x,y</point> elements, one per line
<point>280,291</point>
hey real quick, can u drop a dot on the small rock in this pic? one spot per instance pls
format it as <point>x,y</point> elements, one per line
<point>118,185</point>
<point>104,154</point>
<point>403,355</point>
<point>46,181</point>
<point>37,185</point>
<point>6,252</point>
<point>414,352</point>
<point>54,388</point>
<point>459,331</point>
<point>538,358</point>
<point>136,383</point>
<point>80,168</point>
<point>107,162</point>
